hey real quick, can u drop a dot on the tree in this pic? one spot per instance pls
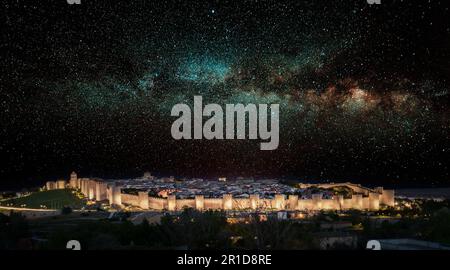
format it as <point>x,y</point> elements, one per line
<point>438,228</point>
<point>13,228</point>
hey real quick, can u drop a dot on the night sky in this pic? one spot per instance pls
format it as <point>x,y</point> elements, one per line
<point>363,89</point>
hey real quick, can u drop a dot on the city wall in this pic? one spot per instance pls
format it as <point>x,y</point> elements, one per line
<point>95,189</point>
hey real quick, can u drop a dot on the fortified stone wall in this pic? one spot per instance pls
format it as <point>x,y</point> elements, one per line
<point>213,203</point>
<point>50,185</point>
<point>241,204</point>
<point>98,190</point>
<point>387,198</point>
<point>61,184</point>
<point>157,203</point>
<point>180,204</point>
<point>372,202</point>
<point>143,200</point>
<point>130,199</point>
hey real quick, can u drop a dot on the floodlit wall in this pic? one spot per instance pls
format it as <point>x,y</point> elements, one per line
<point>265,203</point>
<point>227,202</point>
<point>340,201</point>
<point>305,204</point>
<point>100,191</point>
<point>357,202</point>
<point>199,202</point>
<point>143,200</point>
<point>367,199</point>
<point>61,184</point>
<point>254,201</point>
<point>172,203</point>
<point>374,201</point>
<point>115,196</point>
<point>329,204</point>
<point>50,185</point>
<point>85,184</point>
<point>73,183</point>
<point>279,202</point>
<point>129,199</point>
<point>387,198</point>
<point>241,204</point>
<point>185,203</point>
<point>73,180</point>
<point>213,203</point>
<point>292,202</point>
<point>157,203</point>
<point>91,190</point>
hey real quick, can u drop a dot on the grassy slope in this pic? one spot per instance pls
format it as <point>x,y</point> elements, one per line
<point>52,199</point>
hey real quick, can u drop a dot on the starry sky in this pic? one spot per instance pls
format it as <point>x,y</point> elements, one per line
<point>363,89</point>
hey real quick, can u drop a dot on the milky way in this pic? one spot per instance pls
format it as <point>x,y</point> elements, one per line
<point>363,90</point>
